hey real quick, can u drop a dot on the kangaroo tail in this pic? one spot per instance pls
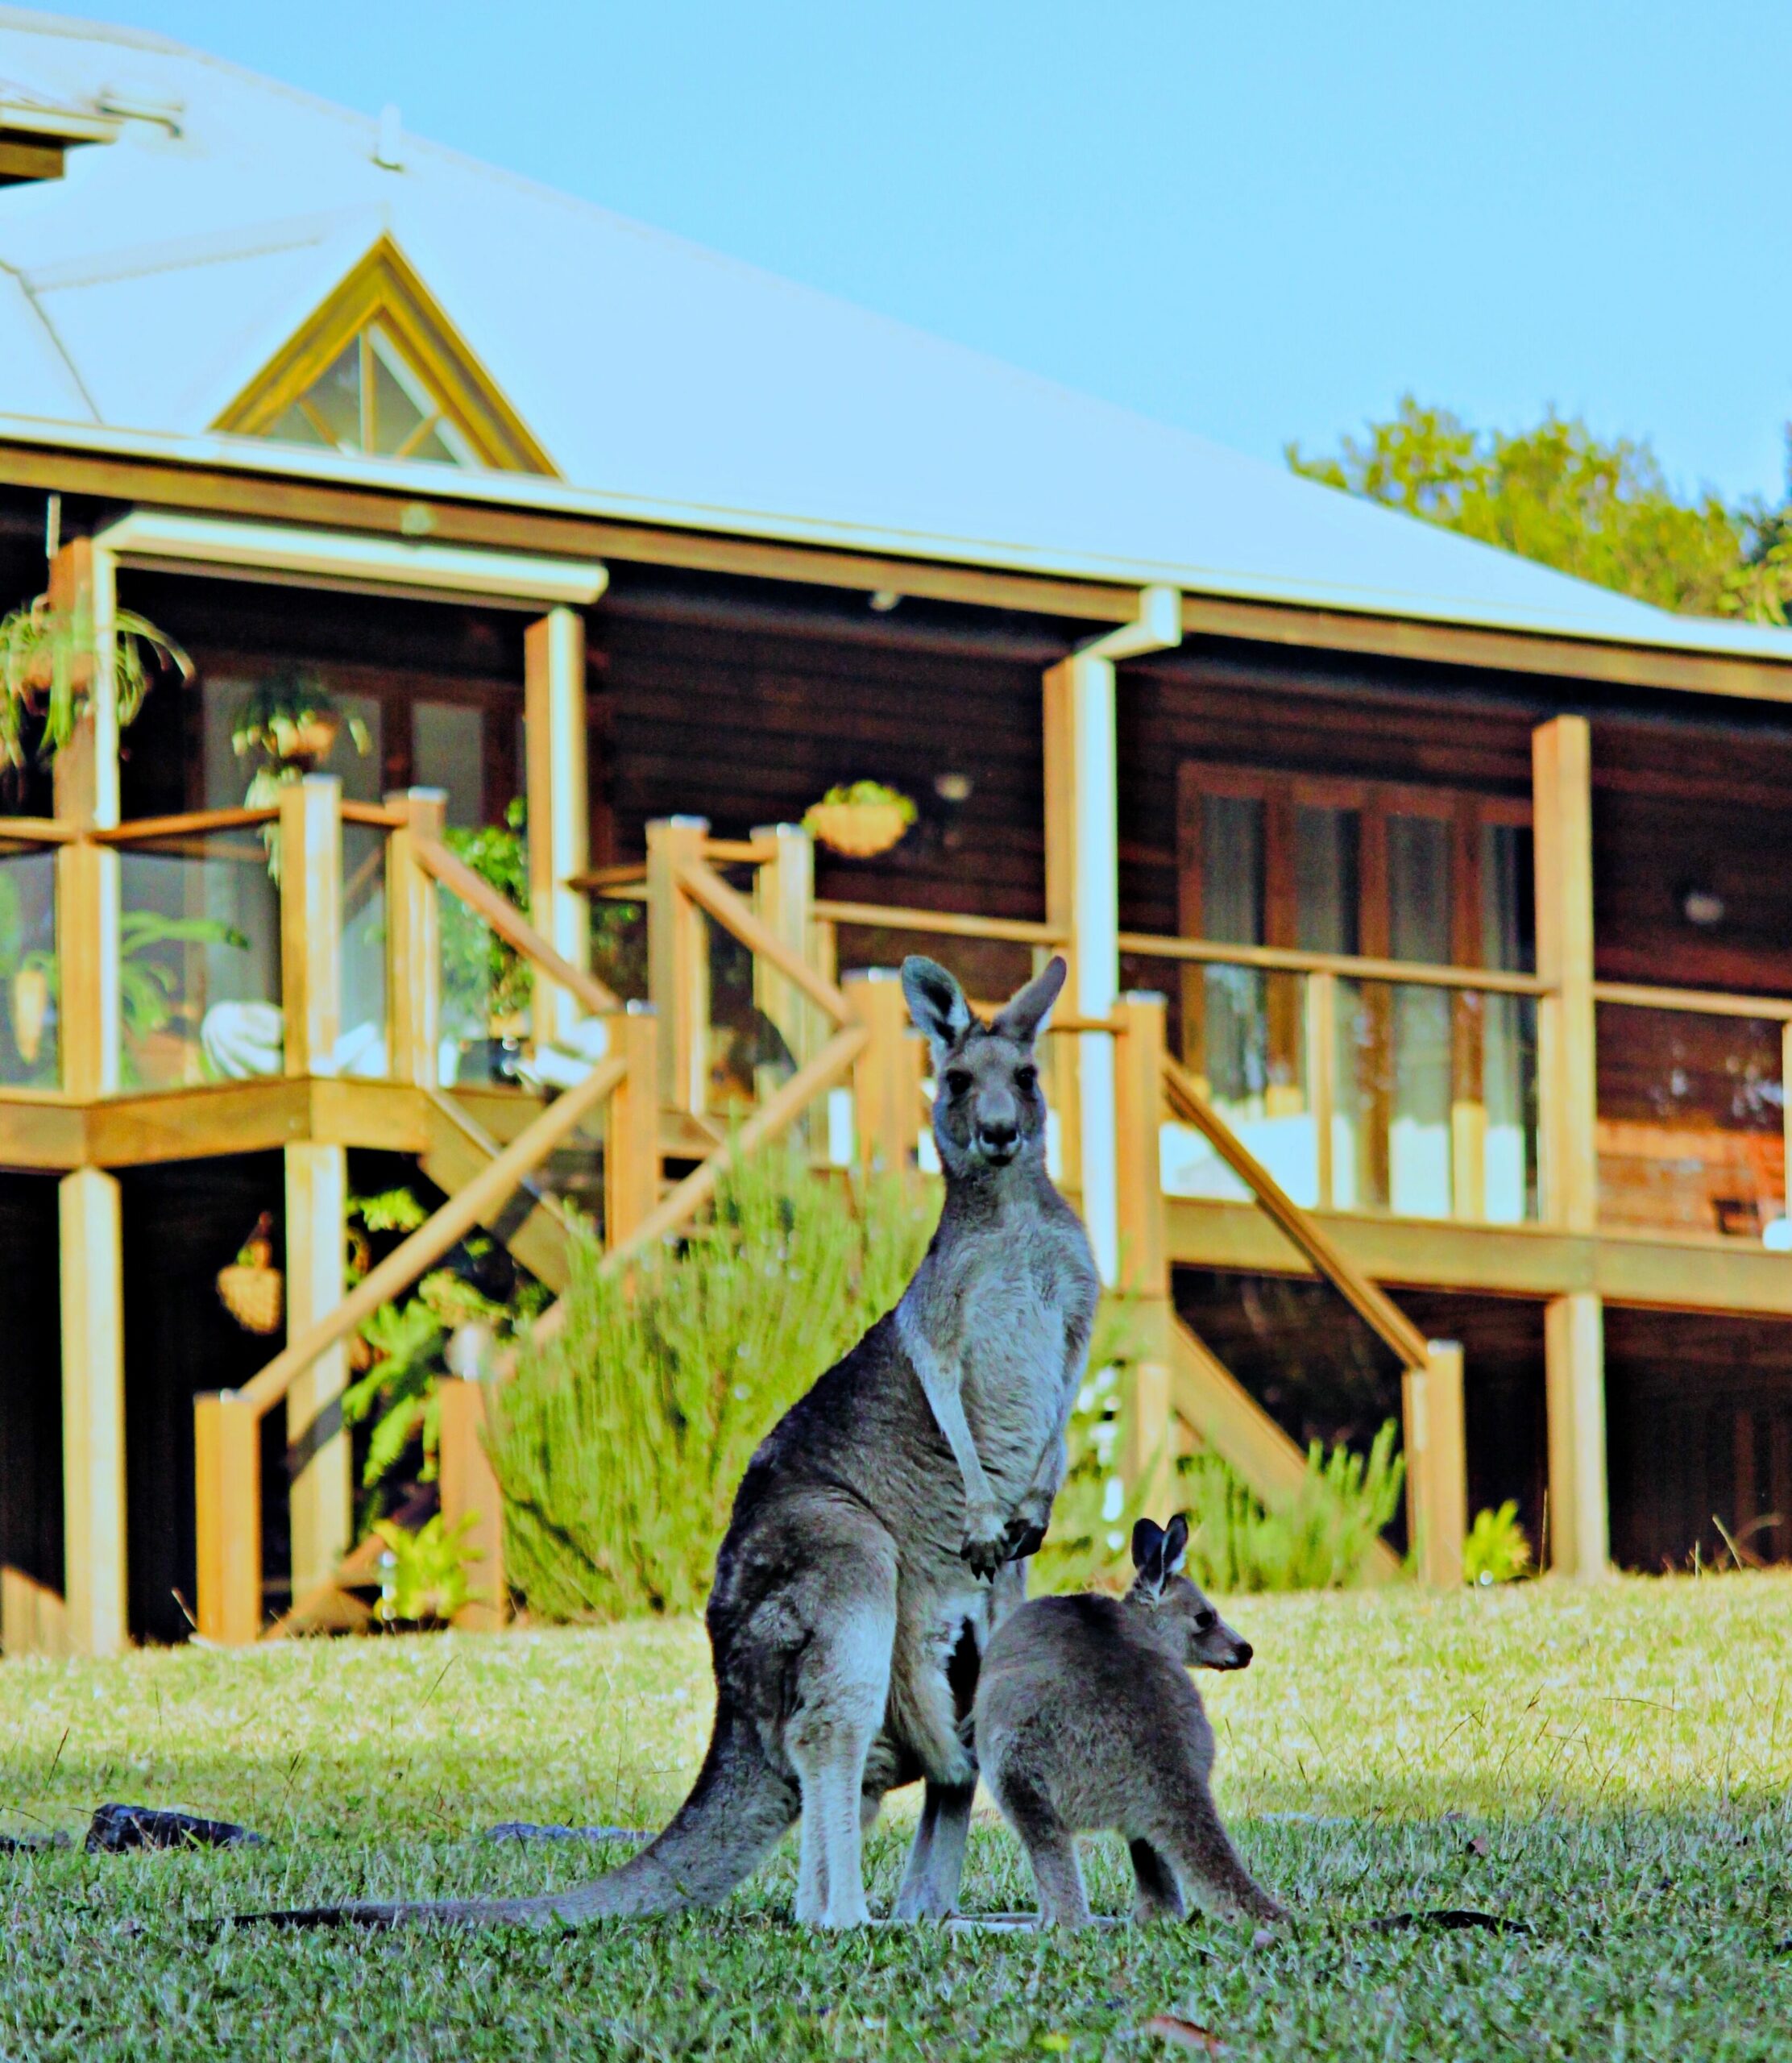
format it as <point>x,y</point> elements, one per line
<point>737,1810</point>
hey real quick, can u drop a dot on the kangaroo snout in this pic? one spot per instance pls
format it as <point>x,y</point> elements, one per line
<point>997,1139</point>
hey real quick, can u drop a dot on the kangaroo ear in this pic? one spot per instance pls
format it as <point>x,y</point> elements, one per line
<point>1023,1017</point>
<point>1176,1544</point>
<point>1147,1537</point>
<point>935,1002</point>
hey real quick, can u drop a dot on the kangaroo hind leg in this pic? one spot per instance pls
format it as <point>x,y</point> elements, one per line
<point>1051,1848</point>
<point>841,1688</point>
<point>1158,1895</point>
<point>1202,1852</point>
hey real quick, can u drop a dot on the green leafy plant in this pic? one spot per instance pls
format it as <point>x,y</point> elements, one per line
<point>620,1443</point>
<point>406,1340</point>
<point>148,988</point>
<point>1320,1538</point>
<point>867,795</point>
<point>426,1577</point>
<point>484,980</point>
<point>48,658</point>
<point>287,722</point>
<point>1498,1549</point>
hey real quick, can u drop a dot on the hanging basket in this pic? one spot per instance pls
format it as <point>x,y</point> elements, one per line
<point>859,830</point>
<point>253,1290</point>
<point>254,1295</point>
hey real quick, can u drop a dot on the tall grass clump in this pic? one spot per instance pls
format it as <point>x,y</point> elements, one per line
<point>620,1444</point>
<point>1320,1538</point>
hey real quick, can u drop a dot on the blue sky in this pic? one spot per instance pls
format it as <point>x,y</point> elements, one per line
<point>1257,223</point>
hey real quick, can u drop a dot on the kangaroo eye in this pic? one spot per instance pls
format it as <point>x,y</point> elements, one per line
<point>958,1082</point>
<point>1204,1622</point>
<point>1026,1078</point>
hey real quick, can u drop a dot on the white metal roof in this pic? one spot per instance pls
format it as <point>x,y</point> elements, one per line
<point>142,291</point>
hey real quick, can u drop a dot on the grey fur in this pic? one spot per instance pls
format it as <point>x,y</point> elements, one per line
<point>1087,1720</point>
<point>875,1536</point>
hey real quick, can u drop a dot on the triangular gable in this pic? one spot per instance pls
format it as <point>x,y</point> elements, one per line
<point>379,369</point>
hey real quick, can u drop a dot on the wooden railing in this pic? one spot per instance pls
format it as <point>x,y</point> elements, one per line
<point>1431,1369</point>
<point>656,1071</point>
<point>227,1424</point>
<point>1313,1018</point>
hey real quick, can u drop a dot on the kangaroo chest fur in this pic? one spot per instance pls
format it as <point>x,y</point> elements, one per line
<point>998,1302</point>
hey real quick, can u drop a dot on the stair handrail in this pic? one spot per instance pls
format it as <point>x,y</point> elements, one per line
<point>442,1230</point>
<point>1367,1299</point>
<point>452,873</point>
<point>706,888</point>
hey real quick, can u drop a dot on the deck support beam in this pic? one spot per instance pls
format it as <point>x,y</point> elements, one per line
<point>1148,1444</point>
<point>1574,1360</point>
<point>317,1176</point>
<point>323,1491</point>
<point>472,1505</point>
<point>97,1621</point>
<point>678,961</point>
<point>1082,902</point>
<point>559,805</point>
<point>1567,1060</point>
<point>1436,1464</point>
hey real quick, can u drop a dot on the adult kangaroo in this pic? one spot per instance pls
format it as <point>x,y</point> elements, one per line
<point>863,1568</point>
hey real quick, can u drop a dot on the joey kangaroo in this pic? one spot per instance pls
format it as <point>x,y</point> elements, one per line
<point>1086,1719</point>
<point>863,1568</point>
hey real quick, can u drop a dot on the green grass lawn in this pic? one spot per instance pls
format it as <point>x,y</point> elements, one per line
<point>1612,1767</point>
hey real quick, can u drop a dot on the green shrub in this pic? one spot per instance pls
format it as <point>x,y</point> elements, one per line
<point>620,1444</point>
<point>1320,1539</point>
<point>1498,1549</point>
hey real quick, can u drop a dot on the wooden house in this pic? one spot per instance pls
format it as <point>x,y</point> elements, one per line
<point>1431,954</point>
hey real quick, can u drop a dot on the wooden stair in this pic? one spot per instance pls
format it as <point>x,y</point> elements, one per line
<point>527,1221</point>
<point>1228,1420</point>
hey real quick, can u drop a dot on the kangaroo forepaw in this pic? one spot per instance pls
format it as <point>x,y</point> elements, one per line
<point>1024,1536</point>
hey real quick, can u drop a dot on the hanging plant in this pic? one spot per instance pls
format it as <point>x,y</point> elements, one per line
<point>286,726</point>
<point>48,659</point>
<point>252,1290</point>
<point>860,818</point>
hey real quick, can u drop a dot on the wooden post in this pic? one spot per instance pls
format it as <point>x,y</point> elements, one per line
<point>311,922</point>
<point>1785,1182</point>
<point>1082,900</point>
<point>784,893</point>
<point>1436,1465</point>
<point>86,785</point>
<point>1147,1455</point>
<point>1574,1357</point>
<point>227,1498</point>
<point>1322,1083</point>
<point>469,1491</point>
<point>1468,1108</point>
<point>677,962</point>
<point>413,941</point>
<point>559,805</point>
<point>1567,1063</point>
<point>323,1487</point>
<point>632,1144</point>
<point>886,1101</point>
<point>92,1413</point>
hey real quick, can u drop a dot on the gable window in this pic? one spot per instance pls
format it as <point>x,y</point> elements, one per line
<point>379,370</point>
<point>368,399</point>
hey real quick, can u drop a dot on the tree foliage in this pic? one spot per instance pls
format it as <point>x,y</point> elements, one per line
<point>1604,512</point>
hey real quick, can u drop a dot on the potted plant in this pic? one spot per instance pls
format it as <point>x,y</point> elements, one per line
<point>48,657</point>
<point>286,727</point>
<point>860,818</point>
